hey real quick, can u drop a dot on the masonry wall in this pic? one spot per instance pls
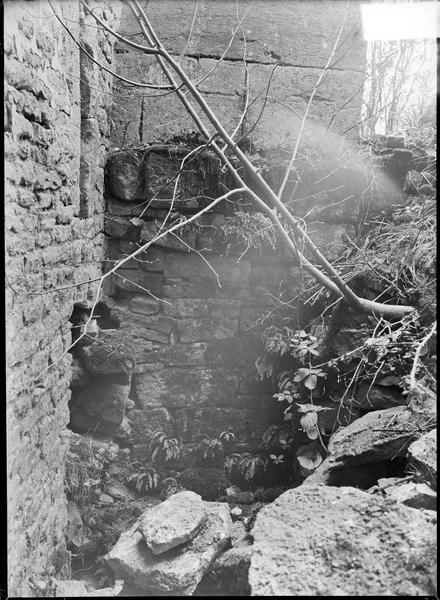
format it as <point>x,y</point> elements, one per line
<point>298,35</point>
<point>54,126</point>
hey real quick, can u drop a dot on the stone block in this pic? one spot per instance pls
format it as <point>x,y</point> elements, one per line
<point>125,175</point>
<point>377,436</point>
<point>180,387</point>
<point>193,266</point>
<point>173,522</point>
<point>422,456</point>
<point>215,327</point>
<point>184,239</point>
<point>368,529</point>
<point>81,420</point>
<point>129,280</point>
<point>121,228</point>
<point>416,495</point>
<point>176,572</point>
<point>195,423</point>
<point>144,423</point>
<point>103,399</point>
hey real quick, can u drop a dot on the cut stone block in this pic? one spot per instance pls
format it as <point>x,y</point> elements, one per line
<point>173,522</point>
<point>179,571</point>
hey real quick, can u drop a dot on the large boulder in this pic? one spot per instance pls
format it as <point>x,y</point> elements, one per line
<point>422,456</point>
<point>326,541</point>
<point>371,440</point>
<point>178,571</point>
<point>173,522</point>
<point>379,435</point>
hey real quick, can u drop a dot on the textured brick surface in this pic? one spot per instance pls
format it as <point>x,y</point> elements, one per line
<point>54,127</point>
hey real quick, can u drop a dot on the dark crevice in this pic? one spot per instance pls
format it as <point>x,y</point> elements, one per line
<point>249,61</point>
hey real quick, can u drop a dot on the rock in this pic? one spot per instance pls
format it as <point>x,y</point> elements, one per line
<point>122,228</point>
<point>69,588</point>
<point>422,456</point>
<point>416,495</point>
<point>111,352</point>
<point>108,591</point>
<point>236,513</point>
<point>378,397</point>
<point>239,536</point>
<point>74,531</point>
<point>118,490</point>
<point>377,436</point>
<point>228,575</point>
<point>104,498</point>
<point>83,421</point>
<point>173,522</point>
<point>209,483</point>
<point>103,399</point>
<point>125,176</point>
<point>342,541</point>
<point>177,572</point>
<point>360,476</point>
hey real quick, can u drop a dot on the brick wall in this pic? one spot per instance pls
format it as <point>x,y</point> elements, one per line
<point>54,240</point>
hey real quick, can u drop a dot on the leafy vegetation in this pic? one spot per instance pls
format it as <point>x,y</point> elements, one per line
<point>164,449</point>
<point>144,480</point>
<point>209,452</point>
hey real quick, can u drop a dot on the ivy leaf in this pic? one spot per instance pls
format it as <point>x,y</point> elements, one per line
<point>301,374</point>
<point>308,457</point>
<point>311,381</point>
<point>309,421</point>
<point>312,433</point>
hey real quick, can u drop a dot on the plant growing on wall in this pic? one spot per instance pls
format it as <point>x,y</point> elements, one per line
<point>246,466</point>
<point>209,452</point>
<point>164,449</point>
<point>144,480</point>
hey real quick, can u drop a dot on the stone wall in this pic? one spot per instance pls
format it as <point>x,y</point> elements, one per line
<point>297,34</point>
<point>188,307</point>
<point>188,310</point>
<point>54,241</point>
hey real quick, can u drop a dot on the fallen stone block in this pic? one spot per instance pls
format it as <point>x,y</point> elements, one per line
<point>69,588</point>
<point>327,541</point>
<point>173,522</point>
<point>378,435</point>
<point>178,571</point>
<point>422,456</point>
<point>416,495</point>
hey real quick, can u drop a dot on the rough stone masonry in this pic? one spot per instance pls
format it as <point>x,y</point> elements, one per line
<point>56,138</point>
<point>57,106</point>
